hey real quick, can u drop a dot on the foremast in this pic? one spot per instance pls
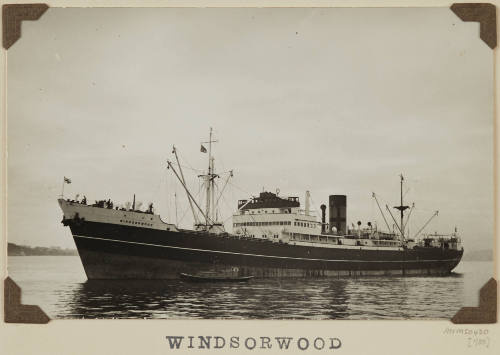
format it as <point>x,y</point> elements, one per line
<point>209,178</point>
<point>210,215</point>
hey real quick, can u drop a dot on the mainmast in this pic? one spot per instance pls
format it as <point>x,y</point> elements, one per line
<point>401,209</point>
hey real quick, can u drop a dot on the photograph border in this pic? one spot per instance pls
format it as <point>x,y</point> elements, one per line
<point>14,14</point>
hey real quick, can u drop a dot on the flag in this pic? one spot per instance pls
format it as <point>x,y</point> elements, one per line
<point>66,180</point>
<point>203,149</point>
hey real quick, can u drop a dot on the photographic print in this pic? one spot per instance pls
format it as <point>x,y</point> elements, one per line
<point>250,163</point>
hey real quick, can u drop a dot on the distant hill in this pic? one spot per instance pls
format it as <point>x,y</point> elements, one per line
<point>24,250</point>
<point>478,255</point>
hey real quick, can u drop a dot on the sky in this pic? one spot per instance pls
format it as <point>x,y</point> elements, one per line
<point>334,101</point>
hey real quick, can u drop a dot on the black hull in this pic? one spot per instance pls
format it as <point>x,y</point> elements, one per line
<point>110,251</point>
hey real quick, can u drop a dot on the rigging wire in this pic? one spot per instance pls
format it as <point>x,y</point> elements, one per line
<point>185,212</point>
<point>221,191</point>
<point>187,162</point>
<point>188,167</point>
<point>167,197</point>
<point>228,207</point>
<point>226,204</point>
<point>372,208</point>
<point>239,188</point>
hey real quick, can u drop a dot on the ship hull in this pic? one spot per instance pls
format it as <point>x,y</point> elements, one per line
<point>110,251</point>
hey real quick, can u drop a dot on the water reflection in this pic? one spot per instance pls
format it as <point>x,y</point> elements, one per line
<point>358,298</point>
<point>257,299</point>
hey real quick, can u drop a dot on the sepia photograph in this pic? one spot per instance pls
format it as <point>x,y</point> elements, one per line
<point>250,163</point>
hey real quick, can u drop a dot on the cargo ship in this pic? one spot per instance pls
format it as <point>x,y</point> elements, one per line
<point>272,236</point>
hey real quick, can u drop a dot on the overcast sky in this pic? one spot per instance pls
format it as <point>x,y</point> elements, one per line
<point>335,101</point>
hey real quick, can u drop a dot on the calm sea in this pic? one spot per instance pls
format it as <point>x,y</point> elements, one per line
<point>59,286</point>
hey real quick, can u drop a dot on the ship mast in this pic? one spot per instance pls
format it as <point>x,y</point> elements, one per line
<point>401,209</point>
<point>210,182</point>
<point>210,211</point>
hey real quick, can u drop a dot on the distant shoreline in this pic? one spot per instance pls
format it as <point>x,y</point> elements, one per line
<point>24,250</point>
<point>478,255</point>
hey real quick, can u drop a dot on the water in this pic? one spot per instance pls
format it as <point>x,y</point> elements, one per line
<point>59,286</point>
